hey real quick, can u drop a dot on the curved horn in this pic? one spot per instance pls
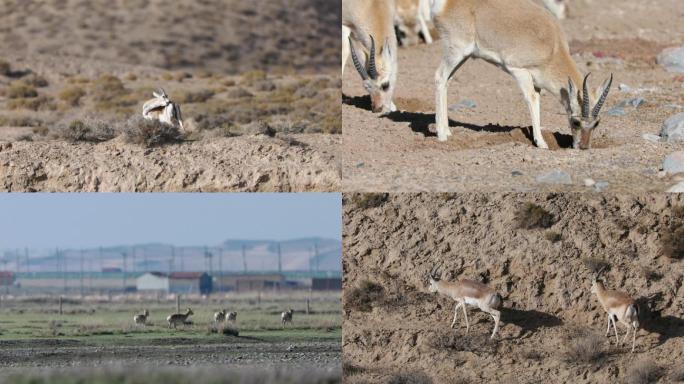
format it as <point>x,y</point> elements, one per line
<point>372,71</point>
<point>585,97</point>
<point>602,99</point>
<point>433,272</point>
<point>357,63</point>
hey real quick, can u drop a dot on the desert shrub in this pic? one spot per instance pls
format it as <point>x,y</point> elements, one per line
<point>650,274</point>
<point>167,76</point>
<point>349,369</point>
<point>531,216</point>
<point>107,87</point>
<point>368,200</point>
<point>35,80</point>
<point>25,137</point>
<point>553,237</point>
<point>196,97</point>
<point>20,121</point>
<point>532,354</point>
<point>78,80</point>
<point>150,133</point>
<point>86,129</point>
<point>40,103</point>
<point>223,329</point>
<point>5,68</point>
<point>21,89</point>
<point>583,347</point>
<point>451,341</point>
<point>72,95</point>
<point>594,264</point>
<point>364,297</point>
<point>677,374</point>
<point>672,242</point>
<point>131,77</point>
<point>252,76</point>
<point>40,130</point>
<point>410,378</point>
<point>643,372</point>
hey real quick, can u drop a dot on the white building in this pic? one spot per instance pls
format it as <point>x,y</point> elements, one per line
<point>153,281</point>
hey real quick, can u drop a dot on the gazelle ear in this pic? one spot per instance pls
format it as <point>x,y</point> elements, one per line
<point>155,94</point>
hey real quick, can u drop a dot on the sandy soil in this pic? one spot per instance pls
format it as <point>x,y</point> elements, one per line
<point>491,149</point>
<point>545,285</point>
<point>248,164</point>
<point>236,352</point>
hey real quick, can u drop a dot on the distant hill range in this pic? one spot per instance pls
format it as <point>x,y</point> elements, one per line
<point>259,255</point>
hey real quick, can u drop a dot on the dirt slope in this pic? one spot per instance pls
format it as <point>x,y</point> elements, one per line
<point>246,164</point>
<point>544,282</point>
<point>491,149</point>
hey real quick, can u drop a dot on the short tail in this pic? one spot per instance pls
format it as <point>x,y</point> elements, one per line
<point>495,301</point>
<point>633,314</point>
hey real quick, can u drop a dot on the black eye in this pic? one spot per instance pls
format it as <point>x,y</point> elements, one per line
<point>576,124</point>
<point>384,86</point>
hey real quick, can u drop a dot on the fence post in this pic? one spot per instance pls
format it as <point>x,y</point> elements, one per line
<point>307,306</point>
<point>178,298</point>
<point>60,304</point>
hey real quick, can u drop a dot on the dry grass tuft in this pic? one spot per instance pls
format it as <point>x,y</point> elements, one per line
<point>368,200</point>
<point>196,96</point>
<point>5,68</point>
<point>672,242</point>
<point>553,237</point>
<point>21,89</point>
<point>72,95</point>
<point>643,372</point>
<point>150,133</point>
<point>87,129</point>
<point>364,297</point>
<point>677,374</point>
<point>584,347</point>
<point>532,216</point>
<point>40,103</point>
<point>594,264</point>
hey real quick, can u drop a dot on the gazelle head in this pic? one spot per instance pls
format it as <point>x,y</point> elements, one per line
<point>146,312</point>
<point>596,283</point>
<point>380,75</point>
<point>582,117</point>
<point>189,312</point>
<point>433,279</point>
<point>557,7</point>
<point>161,94</point>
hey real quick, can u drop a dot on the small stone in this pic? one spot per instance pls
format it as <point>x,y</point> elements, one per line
<point>516,173</point>
<point>674,163</point>
<point>672,59</point>
<point>651,137</point>
<point>624,88</point>
<point>555,177</point>
<point>600,186</point>
<point>465,104</point>
<point>677,188</point>
<point>673,129</point>
<point>589,182</point>
<point>616,111</point>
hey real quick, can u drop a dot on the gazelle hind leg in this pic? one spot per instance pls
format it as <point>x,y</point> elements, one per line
<point>450,64</point>
<point>346,49</point>
<point>608,329</point>
<point>424,28</point>
<point>617,338</point>
<point>533,99</point>
<point>465,313</point>
<point>497,317</point>
<point>634,337</point>
<point>456,313</point>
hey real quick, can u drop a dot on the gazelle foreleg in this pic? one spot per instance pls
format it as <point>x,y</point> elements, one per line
<point>608,329</point>
<point>617,338</point>
<point>465,313</point>
<point>423,25</point>
<point>346,49</point>
<point>450,64</point>
<point>497,317</point>
<point>456,313</point>
<point>533,99</point>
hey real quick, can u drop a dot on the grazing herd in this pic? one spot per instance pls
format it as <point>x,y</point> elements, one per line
<point>222,316</point>
<point>619,306</point>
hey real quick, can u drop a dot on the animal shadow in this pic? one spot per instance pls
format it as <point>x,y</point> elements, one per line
<point>666,327</point>
<point>529,321</point>
<point>361,102</point>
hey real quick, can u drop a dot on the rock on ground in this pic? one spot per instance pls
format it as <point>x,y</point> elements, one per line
<point>673,129</point>
<point>674,163</point>
<point>672,59</point>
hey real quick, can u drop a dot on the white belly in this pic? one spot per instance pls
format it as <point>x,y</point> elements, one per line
<point>471,301</point>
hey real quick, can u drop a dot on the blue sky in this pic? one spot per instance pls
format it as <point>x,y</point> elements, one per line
<point>103,219</point>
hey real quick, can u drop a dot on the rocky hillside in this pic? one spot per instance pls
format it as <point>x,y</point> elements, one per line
<point>538,251</point>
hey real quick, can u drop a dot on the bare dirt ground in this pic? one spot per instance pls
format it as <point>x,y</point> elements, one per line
<point>259,94</point>
<point>491,149</point>
<point>542,274</point>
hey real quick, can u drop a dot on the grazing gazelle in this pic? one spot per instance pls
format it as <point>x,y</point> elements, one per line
<point>232,317</point>
<point>365,24</point>
<point>141,319</point>
<point>162,109</point>
<point>524,40</point>
<point>619,306</point>
<point>468,292</point>
<point>179,318</point>
<point>220,316</point>
<point>286,317</point>
<point>416,14</point>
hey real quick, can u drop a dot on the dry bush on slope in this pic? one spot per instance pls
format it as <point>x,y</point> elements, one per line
<point>86,129</point>
<point>150,133</point>
<point>368,200</point>
<point>583,347</point>
<point>532,216</point>
<point>643,372</point>
<point>364,297</point>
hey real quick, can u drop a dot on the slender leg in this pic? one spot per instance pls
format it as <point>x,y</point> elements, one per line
<point>629,328</point>
<point>445,72</point>
<point>456,313</point>
<point>608,329</point>
<point>634,338</point>
<point>497,317</point>
<point>533,100</point>
<point>345,46</point>
<point>424,28</point>
<point>465,313</point>
<point>617,338</point>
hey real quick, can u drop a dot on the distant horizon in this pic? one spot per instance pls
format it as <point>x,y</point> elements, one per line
<point>85,221</point>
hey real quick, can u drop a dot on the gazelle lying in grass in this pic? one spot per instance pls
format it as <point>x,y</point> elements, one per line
<point>366,23</point>
<point>468,292</point>
<point>286,317</point>
<point>179,318</point>
<point>232,317</point>
<point>220,316</point>
<point>524,40</point>
<point>141,319</point>
<point>414,15</point>
<point>619,306</point>
<point>162,109</point>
